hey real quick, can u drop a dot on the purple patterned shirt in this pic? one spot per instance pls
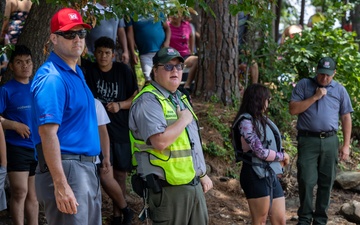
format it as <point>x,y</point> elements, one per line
<point>253,143</point>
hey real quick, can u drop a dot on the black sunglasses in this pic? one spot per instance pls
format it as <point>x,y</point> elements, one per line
<point>170,67</point>
<point>72,34</point>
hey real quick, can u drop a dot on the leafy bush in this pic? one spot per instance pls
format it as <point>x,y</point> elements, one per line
<point>301,54</point>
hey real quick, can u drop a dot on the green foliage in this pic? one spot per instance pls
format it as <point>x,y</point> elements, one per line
<point>288,145</point>
<point>281,67</point>
<point>216,121</point>
<point>233,171</point>
<point>255,8</point>
<point>214,149</point>
<point>214,99</point>
<point>135,8</point>
<point>299,56</point>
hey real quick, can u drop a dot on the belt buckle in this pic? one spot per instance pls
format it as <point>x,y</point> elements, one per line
<point>322,134</point>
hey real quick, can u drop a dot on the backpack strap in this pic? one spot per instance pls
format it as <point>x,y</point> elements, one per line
<point>276,133</point>
<point>236,142</point>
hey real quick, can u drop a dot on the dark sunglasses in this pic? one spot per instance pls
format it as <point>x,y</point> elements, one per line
<point>72,34</point>
<point>170,67</point>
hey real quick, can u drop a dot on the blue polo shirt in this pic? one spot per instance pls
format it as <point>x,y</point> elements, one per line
<point>61,96</point>
<point>15,105</point>
<point>324,114</point>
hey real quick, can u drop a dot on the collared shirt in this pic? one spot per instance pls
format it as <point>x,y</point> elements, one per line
<point>324,114</point>
<point>147,118</point>
<point>61,96</point>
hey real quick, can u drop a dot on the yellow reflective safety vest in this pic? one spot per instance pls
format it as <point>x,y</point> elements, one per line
<point>176,160</point>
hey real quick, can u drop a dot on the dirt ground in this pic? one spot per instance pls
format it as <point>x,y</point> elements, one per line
<point>226,202</point>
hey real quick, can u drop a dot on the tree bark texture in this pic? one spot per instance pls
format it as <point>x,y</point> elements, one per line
<point>277,19</point>
<point>218,56</point>
<point>2,12</point>
<point>302,13</point>
<point>356,21</point>
<point>36,30</point>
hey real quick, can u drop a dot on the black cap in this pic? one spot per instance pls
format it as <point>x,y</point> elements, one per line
<point>165,55</point>
<point>326,66</point>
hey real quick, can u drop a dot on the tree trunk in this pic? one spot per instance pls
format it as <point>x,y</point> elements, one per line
<point>302,13</point>
<point>36,30</point>
<point>2,12</point>
<point>277,19</point>
<point>356,21</point>
<point>218,54</point>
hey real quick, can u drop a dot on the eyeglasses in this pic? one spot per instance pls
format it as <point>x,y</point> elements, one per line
<point>170,67</point>
<point>70,35</point>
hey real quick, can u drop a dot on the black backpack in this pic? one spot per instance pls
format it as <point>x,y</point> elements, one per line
<point>236,142</point>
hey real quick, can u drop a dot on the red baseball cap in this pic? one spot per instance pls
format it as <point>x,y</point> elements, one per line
<point>65,19</point>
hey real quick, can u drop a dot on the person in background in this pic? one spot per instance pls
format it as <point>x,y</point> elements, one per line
<point>183,40</point>
<point>115,85</point>
<point>108,182</point>
<point>15,108</point>
<point>348,25</point>
<point>3,64</point>
<point>166,144</point>
<point>67,182</point>
<point>246,67</point>
<point>16,12</point>
<point>317,17</point>
<point>3,165</point>
<point>148,37</point>
<point>319,102</point>
<point>260,140</point>
<point>290,32</point>
<point>113,28</point>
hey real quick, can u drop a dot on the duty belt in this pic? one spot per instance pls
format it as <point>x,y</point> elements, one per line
<point>324,134</point>
<point>193,182</point>
<point>164,183</point>
<point>81,158</point>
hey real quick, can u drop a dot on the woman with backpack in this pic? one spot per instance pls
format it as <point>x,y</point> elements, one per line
<point>257,143</point>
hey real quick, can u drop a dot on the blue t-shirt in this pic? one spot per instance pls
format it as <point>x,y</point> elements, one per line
<point>149,35</point>
<point>15,104</point>
<point>61,96</point>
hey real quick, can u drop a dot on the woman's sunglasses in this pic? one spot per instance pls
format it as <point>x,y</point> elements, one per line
<point>72,34</point>
<point>170,67</point>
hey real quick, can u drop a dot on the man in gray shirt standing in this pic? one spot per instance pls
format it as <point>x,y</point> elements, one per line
<point>319,102</point>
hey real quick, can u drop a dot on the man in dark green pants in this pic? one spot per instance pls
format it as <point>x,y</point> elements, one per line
<point>319,102</point>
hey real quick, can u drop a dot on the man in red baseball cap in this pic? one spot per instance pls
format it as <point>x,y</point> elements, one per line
<point>65,19</point>
<point>68,142</point>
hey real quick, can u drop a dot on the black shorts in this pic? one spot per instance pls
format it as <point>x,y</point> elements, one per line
<point>20,159</point>
<point>254,187</point>
<point>120,156</point>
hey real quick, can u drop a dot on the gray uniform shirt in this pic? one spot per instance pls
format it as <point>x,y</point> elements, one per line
<point>147,118</point>
<point>324,114</point>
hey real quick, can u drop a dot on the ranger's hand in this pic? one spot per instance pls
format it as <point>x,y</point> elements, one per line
<point>206,183</point>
